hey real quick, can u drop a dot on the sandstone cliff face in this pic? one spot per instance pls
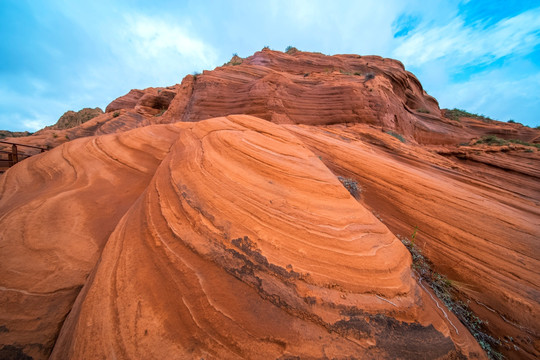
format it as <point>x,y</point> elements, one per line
<point>477,216</point>
<point>164,231</point>
<point>296,88</point>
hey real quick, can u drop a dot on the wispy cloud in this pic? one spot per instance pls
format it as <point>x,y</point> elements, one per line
<point>115,52</point>
<point>475,43</point>
<point>153,39</point>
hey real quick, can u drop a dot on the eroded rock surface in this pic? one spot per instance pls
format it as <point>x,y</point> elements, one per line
<point>227,254</point>
<point>56,212</point>
<point>71,118</point>
<point>233,237</point>
<point>224,253</point>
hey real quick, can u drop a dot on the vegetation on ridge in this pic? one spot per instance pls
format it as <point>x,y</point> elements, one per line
<point>497,141</point>
<point>291,50</point>
<point>456,114</point>
<point>7,133</point>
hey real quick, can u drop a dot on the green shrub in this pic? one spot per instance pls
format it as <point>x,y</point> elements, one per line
<point>352,186</point>
<point>491,140</point>
<point>456,114</point>
<point>115,114</point>
<point>496,141</point>
<point>396,135</point>
<point>521,142</point>
<point>423,110</point>
<point>290,50</point>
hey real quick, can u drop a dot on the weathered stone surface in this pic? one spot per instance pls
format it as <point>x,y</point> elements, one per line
<point>233,237</point>
<point>71,118</point>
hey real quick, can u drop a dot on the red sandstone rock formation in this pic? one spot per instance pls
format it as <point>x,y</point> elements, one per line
<point>57,212</point>
<point>230,238</point>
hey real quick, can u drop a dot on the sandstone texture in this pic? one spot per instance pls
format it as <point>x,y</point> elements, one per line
<point>170,226</point>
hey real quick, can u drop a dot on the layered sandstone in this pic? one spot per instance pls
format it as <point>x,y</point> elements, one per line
<point>57,211</point>
<point>233,237</point>
<point>476,214</point>
<point>226,253</point>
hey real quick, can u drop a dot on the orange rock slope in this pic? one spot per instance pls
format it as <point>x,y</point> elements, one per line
<point>165,232</point>
<point>478,219</point>
<point>57,211</point>
<point>227,253</point>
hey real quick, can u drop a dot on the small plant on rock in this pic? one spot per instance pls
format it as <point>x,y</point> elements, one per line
<point>369,76</point>
<point>290,50</point>
<point>352,186</point>
<point>396,135</point>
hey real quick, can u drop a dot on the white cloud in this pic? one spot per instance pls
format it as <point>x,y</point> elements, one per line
<point>148,51</point>
<point>473,44</point>
<point>153,38</point>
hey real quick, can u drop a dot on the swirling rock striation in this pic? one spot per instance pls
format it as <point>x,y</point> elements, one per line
<point>476,214</point>
<point>57,210</point>
<point>227,254</point>
<point>229,238</point>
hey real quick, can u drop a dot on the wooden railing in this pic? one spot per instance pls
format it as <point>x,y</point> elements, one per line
<point>14,156</point>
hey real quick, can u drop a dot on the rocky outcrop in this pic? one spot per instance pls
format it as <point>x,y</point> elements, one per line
<point>71,118</point>
<point>311,88</point>
<point>127,101</point>
<point>149,99</point>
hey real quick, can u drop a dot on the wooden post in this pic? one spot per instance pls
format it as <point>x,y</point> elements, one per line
<point>10,160</point>
<point>15,155</point>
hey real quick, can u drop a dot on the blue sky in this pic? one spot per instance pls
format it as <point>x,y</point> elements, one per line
<point>59,55</point>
